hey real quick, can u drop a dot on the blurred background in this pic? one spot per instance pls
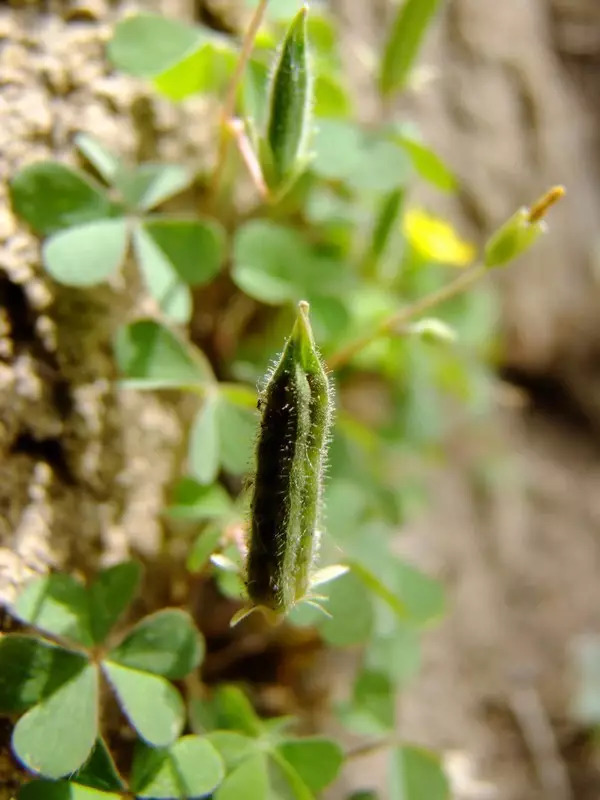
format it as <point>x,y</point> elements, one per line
<point>506,513</point>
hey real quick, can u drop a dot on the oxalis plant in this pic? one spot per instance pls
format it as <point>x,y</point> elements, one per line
<point>331,252</point>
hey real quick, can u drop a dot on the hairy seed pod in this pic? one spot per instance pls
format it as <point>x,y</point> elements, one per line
<point>290,456</point>
<point>283,152</point>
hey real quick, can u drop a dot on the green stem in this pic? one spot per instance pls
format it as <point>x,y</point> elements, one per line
<point>228,110</point>
<point>404,315</point>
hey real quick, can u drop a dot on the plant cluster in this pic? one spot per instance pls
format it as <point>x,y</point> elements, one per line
<point>333,225</point>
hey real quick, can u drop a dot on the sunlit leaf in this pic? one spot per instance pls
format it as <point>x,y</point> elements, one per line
<point>151,356</point>
<point>415,774</point>
<point>166,643</point>
<point>87,254</point>
<point>50,196</point>
<point>55,737</point>
<point>190,768</point>
<point>151,703</point>
<point>409,28</point>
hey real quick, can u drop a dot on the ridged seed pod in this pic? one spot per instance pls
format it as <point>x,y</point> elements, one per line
<point>290,457</point>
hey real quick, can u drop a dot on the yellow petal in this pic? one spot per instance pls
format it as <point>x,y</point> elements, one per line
<point>436,240</point>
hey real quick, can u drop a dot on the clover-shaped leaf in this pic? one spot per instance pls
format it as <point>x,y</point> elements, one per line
<point>191,767</point>
<point>317,760</point>
<point>148,185</point>
<point>222,434</point>
<point>193,500</point>
<point>58,687</point>
<point>56,736</point>
<point>109,595</point>
<point>150,703</point>
<point>50,196</point>
<point>151,356</point>
<point>86,254</point>
<point>32,669</point>
<point>99,771</point>
<point>165,643</point>
<point>58,605</point>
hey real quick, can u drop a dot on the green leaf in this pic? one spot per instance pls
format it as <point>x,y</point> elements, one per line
<point>165,643</point>
<point>397,654</point>
<point>104,161</point>
<point>204,445</point>
<point>58,605</point>
<point>415,774</point>
<point>266,258</point>
<point>233,747</point>
<point>193,500</point>
<point>151,704</point>
<point>285,782</point>
<point>229,708</point>
<point>162,281</point>
<point>237,431</point>
<point>331,97</point>
<point>154,357</point>
<point>402,47</point>
<point>149,185</point>
<point>50,196</point>
<point>109,595</point>
<point>422,596</point>
<point>274,264</point>
<point>249,780</point>
<point>206,68</point>
<point>56,736</point>
<point>87,254</point>
<point>32,669</point>
<point>99,771</point>
<point>315,759</point>
<point>193,249</point>
<point>374,701</point>
<point>351,609</point>
<point>427,163</point>
<point>62,790</point>
<point>190,768</point>
<point>171,39</point>
<point>203,548</point>
<point>365,161</point>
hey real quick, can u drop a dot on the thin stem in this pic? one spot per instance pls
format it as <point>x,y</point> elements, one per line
<point>404,315</point>
<point>228,110</point>
<point>370,747</point>
<point>236,126</point>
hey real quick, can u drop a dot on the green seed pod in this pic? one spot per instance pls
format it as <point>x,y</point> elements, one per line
<point>290,456</point>
<point>283,151</point>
